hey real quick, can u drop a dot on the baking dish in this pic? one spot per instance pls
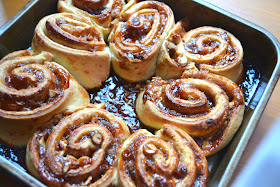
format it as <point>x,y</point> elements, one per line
<point>261,61</point>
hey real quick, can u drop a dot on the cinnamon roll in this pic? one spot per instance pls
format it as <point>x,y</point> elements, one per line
<point>76,44</point>
<point>102,12</point>
<point>209,107</point>
<point>137,37</point>
<point>80,150</point>
<point>212,49</point>
<point>170,158</point>
<point>32,90</point>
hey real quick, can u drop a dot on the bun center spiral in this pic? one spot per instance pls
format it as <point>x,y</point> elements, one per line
<point>159,152</point>
<point>207,46</point>
<point>28,83</point>
<point>74,31</point>
<point>186,97</point>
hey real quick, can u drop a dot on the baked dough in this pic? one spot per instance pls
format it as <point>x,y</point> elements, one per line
<point>79,148</point>
<point>137,37</point>
<point>32,90</point>
<point>207,106</point>
<point>169,158</point>
<point>76,44</point>
<point>212,49</point>
<point>101,12</point>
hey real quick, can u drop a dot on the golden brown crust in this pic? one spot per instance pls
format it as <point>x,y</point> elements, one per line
<point>101,12</point>
<point>207,106</point>
<point>76,44</point>
<point>212,49</point>
<point>170,158</point>
<point>32,90</point>
<point>82,149</point>
<point>137,37</point>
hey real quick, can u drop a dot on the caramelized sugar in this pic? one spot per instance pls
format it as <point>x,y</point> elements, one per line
<point>119,97</point>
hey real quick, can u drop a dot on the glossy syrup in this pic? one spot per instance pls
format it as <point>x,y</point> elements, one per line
<point>119,97</point>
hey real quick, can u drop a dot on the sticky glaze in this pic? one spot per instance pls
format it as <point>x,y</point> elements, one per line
<point>119,97</point>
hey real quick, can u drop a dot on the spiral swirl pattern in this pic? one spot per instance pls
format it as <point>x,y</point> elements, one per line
<point>32,89</point>
<point>30,82</point>
<point>210,48</point>
<point>170,158</point>
<point>82,149</point>
<point>74,31</point>
<point>137,37</point>
<point>76,44</point>
<point>203,104</point>
<point>102,12</point>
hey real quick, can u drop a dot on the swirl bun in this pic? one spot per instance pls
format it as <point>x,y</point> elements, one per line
<point>76,44</point>
<point>170,158</point>
<point>32,90</point>
<point>137,37</point>
<point>207,106</point>
<point>101,12</point>
<point>82,149</point>
<point>212,49</point>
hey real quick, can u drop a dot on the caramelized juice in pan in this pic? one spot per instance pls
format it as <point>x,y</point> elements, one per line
<point>119,97</point>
